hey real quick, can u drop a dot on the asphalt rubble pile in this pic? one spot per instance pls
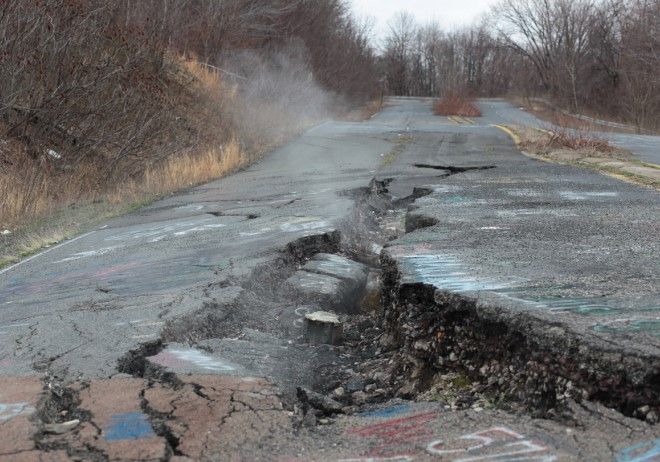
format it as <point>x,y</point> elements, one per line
<point>417,342</point>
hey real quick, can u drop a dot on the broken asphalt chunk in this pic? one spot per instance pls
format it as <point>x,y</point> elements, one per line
<point>319,402</point>
<point>323,327</point>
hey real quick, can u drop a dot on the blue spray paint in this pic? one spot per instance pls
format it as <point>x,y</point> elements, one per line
<point>635,454</point>
<point>128,426</point>
<point>596,306</point>
<point>443,272</point>
<point>387,412</point>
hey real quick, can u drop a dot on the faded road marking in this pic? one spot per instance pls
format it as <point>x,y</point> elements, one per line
<point>184,357</point>
<point>88,253</point>
<point>581,196</point>
<point>10,410</point>
<point>70,241</point>
<point>649,325</point>
<point>646,451</point>
<point>396,432</point>
<point>157,233</point>
<point>514,137</point>
<point>443,272</point>
<point>303,224</point>
<point>497,443</point>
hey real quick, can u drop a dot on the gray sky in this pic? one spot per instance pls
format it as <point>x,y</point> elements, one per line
<point>447,12</point>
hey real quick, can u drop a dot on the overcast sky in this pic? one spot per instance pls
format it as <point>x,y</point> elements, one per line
<point>447,12</point>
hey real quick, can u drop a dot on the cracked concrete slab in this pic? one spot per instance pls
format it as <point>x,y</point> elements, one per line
<point>340,268</point>
<point>18,403</point>
<point>327,291</point>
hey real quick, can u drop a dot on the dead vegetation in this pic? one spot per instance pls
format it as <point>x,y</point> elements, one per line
<point>578,140</point>
<point>560,141</point>
<point>584,149</point>
<point>555,116</point>
<point>456,105</point>
<point>36,179</point>
<point>106,104</point>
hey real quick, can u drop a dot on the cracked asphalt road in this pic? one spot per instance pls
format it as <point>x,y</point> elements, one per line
<point>168,271</point>
<point>644,147</point>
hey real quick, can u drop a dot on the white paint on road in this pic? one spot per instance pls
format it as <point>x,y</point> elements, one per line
<point>581,196</point>
<point>202,360</point>
<point>304,224</point>
<point>443,272</point>
<point>88,253</point>
<point>10,410</point>
<point>58,246</point>
<point>157,233</point>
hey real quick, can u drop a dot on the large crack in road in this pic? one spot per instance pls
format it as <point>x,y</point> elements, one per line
<point>416,344</point>
<point>431,356</point>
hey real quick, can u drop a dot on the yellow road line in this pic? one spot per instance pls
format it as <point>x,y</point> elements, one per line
<point>649,164</point>
<point>453,119</point>
<point>467,120</point>
<point>514,137</point>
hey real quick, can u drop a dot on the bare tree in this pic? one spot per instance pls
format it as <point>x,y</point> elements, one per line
<point>398,48</point>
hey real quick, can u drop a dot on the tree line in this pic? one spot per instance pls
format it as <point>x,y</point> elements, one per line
<point>95,79</point>
<point>602,56</point>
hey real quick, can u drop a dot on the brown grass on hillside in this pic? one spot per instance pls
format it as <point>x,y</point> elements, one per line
<point>36,187</point>
<point>183,171</point>
<point>33,191</point>
<point>456,105</point>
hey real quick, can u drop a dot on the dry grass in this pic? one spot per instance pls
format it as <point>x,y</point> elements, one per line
<point>34,188</point>
<point>551,114</point>
<point>41,210</point>
<point>577,140</point>
<point>206,75</point>
<point>45,200</point>
<point>183,171</point>
<point>583,149</point>
<point>456,105</point>
<point>564,141</point>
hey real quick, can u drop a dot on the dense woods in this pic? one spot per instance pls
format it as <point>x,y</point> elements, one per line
<point>94,77</point>
<point>97,95</point>
<point>594,56</point>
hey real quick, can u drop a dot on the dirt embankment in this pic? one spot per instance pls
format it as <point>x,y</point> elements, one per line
<point>106,105</point>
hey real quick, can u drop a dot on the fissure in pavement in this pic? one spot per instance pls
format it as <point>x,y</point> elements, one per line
<point>417,343</point>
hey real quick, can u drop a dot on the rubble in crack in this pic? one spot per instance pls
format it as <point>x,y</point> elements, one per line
<point>323,327</point>
<point>448,348</point>
<point>331,281</point>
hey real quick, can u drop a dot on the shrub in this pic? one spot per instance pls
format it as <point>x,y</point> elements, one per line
<point>456,105</point>
<point>576,140</point>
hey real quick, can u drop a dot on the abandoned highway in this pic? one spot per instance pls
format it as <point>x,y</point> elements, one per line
<point>488,307</point>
